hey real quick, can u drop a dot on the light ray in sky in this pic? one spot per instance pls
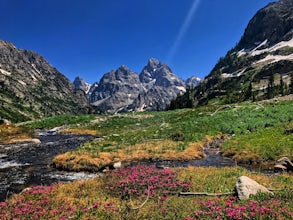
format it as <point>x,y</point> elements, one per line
<point>182,31</point>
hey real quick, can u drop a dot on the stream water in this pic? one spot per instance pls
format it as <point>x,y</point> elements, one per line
<point>26,164</point>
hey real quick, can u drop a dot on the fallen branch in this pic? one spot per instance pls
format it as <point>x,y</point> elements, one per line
<point>221,108</point>
<point>204,194</point>
<point>140,206</point>
<point>277,189</point>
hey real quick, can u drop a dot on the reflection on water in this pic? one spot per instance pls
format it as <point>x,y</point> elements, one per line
<point>24,165</point>
<point>27,164</point>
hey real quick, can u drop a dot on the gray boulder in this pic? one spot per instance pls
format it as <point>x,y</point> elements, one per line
<point>246,187</point>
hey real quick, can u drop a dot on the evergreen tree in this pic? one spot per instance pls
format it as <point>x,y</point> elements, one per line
<point>291,83</point>
<point>282,91</point>
<point>270,90</point>
<point>248,92</point>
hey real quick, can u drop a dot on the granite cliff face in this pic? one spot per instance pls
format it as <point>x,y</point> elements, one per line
<point>192,82</point>
<point>160,85</point>
<point>79,83</point>
<point>273,23</point>
<point>261,64</point>
<point>32,88</point>
<point>116,90</point>
<point>123,90</point>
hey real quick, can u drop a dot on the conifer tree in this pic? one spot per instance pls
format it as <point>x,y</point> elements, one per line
<point>270,90</point>
<point>291,83</point>
<point>282,92</point>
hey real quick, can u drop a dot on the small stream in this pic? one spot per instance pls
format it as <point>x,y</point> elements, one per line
<point>213,158</point>
<point>25,164</point>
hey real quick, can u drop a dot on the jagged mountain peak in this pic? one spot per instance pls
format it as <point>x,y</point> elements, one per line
<point>192,81</point>
<point>124,90</point>
<point>122,74</point>
<point>153,62</point>
<point>6,44</point>
<point>79,83</point>
<point>124,68</point>
<point>259,67</point>
<point>155,71</point>
<point>273,23</point>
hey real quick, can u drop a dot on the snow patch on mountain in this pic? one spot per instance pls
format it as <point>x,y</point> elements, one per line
<point>275,58</point>
<point>257,51</point>
<point>4,72</point>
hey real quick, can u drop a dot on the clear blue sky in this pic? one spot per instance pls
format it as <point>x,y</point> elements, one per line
<point>88,38</point>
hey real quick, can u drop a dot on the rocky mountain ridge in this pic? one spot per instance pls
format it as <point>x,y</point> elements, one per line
<point>32,88</point>
<point>123,90</point>
<point>260,66</point>
<point>79,83</point>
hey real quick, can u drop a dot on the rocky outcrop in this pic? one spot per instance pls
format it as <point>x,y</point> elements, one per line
<point>79,83</point>
<point>161,86</point>
<point>92,88</point>
<point>32,88</point>
<point>123,90</point>
<point>265,50</point>
<point>264,53</point>
<point>192,82</point>
<point>117,89</point>
<point>273,23</point>
<point>246,187</point>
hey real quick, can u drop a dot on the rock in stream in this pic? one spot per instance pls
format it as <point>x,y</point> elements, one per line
<point>26,164</point>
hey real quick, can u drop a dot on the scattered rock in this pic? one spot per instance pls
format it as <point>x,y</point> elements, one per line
<point>117,165</point>
<point>5,122</point>
<point>160,166</point>
<point>246,187</point>
<point>283,164</point>
<point>26,189</point>
<point>25,142</point>
<point>105,170</point>
<point>35,141</point>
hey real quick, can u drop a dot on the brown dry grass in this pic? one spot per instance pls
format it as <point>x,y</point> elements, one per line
<point>155,149</point>
<point>79,131</point>
<point>213,179</point>
<point>12,134</point>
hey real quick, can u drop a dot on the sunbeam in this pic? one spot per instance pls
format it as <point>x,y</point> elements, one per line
<point>182,31</point>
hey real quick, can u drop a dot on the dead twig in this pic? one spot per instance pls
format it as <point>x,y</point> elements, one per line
<point>204,194</point>
<point>221,108</point>
<point>140,206</point>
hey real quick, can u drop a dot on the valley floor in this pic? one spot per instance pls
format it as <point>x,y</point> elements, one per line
<point>250,133</point>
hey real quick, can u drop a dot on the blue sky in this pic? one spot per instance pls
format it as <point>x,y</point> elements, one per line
<point>88,38</point>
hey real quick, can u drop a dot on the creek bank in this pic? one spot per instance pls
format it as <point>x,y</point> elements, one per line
<point>25,164</point>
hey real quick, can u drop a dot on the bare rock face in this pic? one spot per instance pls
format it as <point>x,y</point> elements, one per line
<point>161,86</point>
<point>274,23</point>
<point>246,187</point>
<point>123,90</point>
<point>32,88</point>
<point>79,83</point>
<point>116,90</point>
<point>264,51</point>
<point>192,82</point>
